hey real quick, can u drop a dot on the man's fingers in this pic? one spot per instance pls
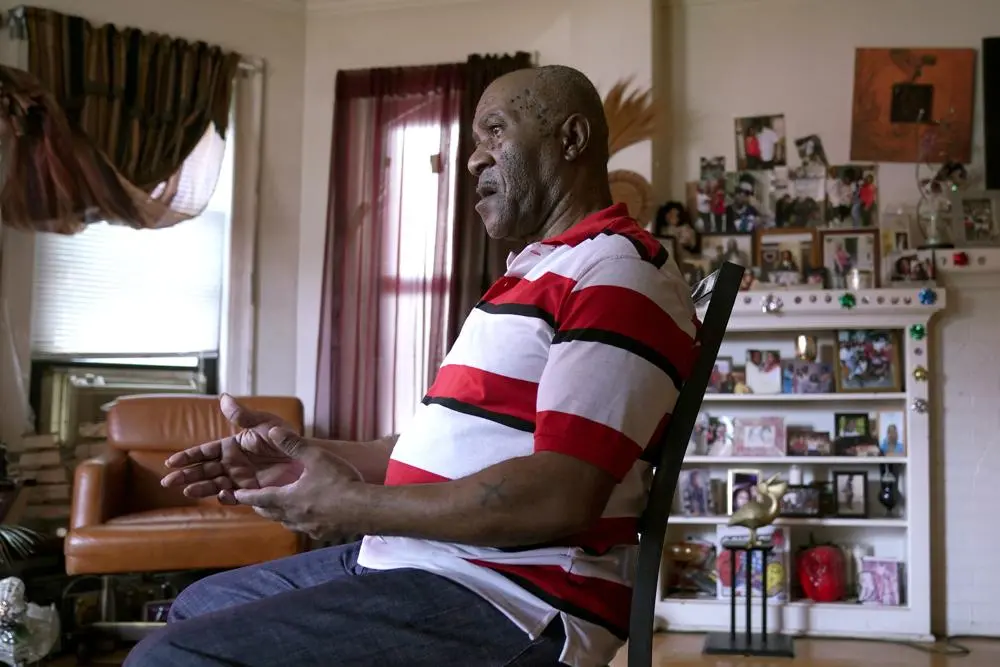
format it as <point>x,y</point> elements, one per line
<point>207,452</point>
<point>208,488</point>
<point>239,415</point>
<point>268,498</point>
<point>289,442</point>
<point>195,473</point>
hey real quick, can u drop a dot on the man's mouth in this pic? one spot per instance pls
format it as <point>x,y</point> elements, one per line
<point>485,190</point>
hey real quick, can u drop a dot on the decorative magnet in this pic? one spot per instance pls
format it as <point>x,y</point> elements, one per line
<point>771,304</point>
<point>847,300</point>
<point>927,296</point>
<point>918,332</point>
<point>920,374</point>
<point>960,259</point>
<point>919,405</point>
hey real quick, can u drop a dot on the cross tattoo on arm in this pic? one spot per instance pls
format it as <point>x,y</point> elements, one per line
<point>492,492</point>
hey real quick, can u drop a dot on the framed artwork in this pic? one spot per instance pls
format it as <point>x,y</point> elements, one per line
<point>879,581</point>
<point>801,500</point>
<point>892,433</point>
<point>694,486</point>
<point>741,488</point>
<point>976,218</point>
<point>735,248</point>
<point>786,251</point>
<point>851,493</point>
<point>868,361</point>
<point>759,436</point>
<point>847,249</point>
<point>913,105</point>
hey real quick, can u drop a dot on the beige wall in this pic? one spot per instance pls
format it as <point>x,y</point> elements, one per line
<point>729,58</point>
<point>607,40</point>
<point>274,31</point>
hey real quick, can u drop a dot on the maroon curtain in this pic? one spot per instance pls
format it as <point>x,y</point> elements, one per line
<point>477,260</point>
<point>389,236</point>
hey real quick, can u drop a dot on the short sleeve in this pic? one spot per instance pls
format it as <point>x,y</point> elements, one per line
<point>623,345</point>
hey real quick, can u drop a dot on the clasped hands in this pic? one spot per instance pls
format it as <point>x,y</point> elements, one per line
<point>281,475</point>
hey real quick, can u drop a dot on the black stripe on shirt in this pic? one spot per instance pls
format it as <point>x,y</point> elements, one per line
<point>658,259</point>
<point>476,411</point>
<point>625,343</point>
<point>522,309</point>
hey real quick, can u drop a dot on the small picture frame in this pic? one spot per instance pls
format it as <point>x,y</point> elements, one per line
<point>801,501</point>
<point>804,441</point>
<point>975,219</point>
<point>735,248</point>
<point>853,435</point>
<point>806,377</point>
<point>786,251</point>
<point>741,488</point>
<point>907,267</point>
<point>763,371</point>
<point>759,436</point>
<point>851,493</point>
<point>719,436</point>
<point>694,487</point>
<point>868,361</point>
<point>156,611</point>
<point>696,444</point>
<point>720,381</point>
<point>880,581</point>
<point>848,249</point>
<point>892,433</point>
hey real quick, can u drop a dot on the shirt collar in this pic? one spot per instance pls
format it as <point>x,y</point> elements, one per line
<point>591,226</point>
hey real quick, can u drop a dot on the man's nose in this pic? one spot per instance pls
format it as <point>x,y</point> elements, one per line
<point>479,161</point>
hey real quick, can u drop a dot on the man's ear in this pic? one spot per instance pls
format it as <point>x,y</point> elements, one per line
<point>575,136</point>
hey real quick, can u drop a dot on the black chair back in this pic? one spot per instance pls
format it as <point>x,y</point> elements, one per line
<point>719,290</point>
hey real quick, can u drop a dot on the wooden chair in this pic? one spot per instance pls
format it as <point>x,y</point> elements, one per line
<point>719,291</point>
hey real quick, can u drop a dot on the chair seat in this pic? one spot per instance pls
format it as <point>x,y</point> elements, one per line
<point>182,538</point>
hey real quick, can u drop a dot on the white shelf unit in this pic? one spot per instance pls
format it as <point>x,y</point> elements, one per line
<point>905,536</point>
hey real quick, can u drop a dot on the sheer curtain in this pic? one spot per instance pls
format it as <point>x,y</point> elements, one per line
<point>387,270</point>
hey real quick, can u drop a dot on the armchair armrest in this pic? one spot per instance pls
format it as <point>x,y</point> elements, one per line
<point>98,489</point>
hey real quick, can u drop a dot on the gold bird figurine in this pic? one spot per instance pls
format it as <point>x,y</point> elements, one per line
<point>762,510</point>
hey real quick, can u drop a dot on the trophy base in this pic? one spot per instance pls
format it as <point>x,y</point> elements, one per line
<point>772,646</point>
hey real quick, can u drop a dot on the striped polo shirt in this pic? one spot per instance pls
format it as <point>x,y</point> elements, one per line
<point>579,349</point>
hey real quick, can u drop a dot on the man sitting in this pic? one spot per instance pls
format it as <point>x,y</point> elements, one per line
<point>502,523</point>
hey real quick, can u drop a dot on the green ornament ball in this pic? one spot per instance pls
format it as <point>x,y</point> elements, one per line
<point>918,331</point>
<point>847,300</point>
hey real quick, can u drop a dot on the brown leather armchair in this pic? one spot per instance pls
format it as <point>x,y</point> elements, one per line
<point>123,521</point>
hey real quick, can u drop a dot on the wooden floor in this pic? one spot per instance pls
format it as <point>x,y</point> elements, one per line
<point>685,650</point>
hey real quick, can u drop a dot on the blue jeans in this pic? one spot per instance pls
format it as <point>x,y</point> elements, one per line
<point>322,609</point>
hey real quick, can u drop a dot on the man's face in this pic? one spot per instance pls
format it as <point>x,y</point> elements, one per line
<point>516,157</point>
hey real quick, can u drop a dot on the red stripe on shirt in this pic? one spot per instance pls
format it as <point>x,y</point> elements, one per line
<point>632,314</point>
<point>489,391</point>
<point>398,473</point>
<point>607,600</point>
<point>546,292</point>
<point>586,440</point>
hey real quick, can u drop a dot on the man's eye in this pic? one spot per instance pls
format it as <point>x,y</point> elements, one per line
<point>496,130</point>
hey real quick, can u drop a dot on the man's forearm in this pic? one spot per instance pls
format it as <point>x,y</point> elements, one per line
<point>370,458</point>
<point>519,502</point>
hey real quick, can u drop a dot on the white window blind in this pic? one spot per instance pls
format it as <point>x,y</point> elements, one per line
<point>112,290</point>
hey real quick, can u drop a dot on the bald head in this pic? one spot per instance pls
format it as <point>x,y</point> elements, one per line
<point>541,147</point>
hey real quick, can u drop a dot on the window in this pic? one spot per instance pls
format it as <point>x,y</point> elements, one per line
<point>113,290</point>
<point>416,264</point>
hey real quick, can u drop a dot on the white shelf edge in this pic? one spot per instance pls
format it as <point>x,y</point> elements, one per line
<point>842,397</point>
<point>835,522</point>
<point>794,460</point>
<point>849,604</point>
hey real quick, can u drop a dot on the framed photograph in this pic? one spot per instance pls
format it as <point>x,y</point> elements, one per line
<point>803,441</point>
<point>760,143</point>
<point>155,611</point>
<point>847,249</point>
<point>868,361</point>
<point>786,251</point>
<point>879,581</point>
<point>801,500</point>
<point>719,436</point>
<point>852,196</point>
<point>851,493</point>
<point>892,433</point>
<point>804,203</point>
<point>975,218</point>
<point>721,376</point>
<point>694,486</point>
<point>696,444</point>
<point>851,425</point>
<point>906,267</point>
<point>763,371</point>
<point>735,248</point>
<point>817,277</point>
<point>811,153</point>
<point>806,377</point>
<point>746,192</point>
<point>741,488</point>
<point>759,436</point>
